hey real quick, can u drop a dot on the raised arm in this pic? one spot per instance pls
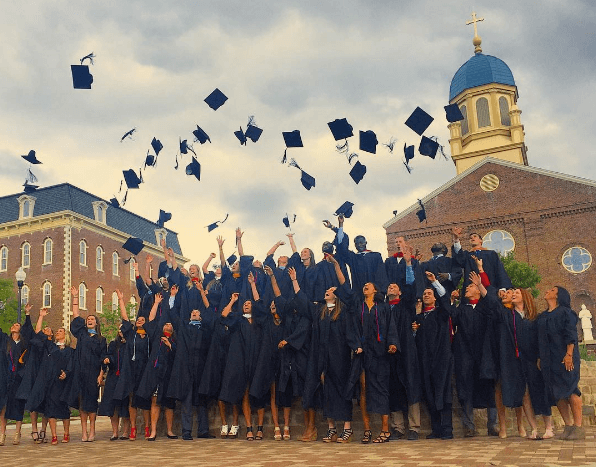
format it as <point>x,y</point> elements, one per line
<point>340,275</point>
<point>274,284</point>
<point>207,262</point>
<point>199,286</point>
<point>156,303</point>
<point>222,257</point>
<point>274,248</point>
<point>42,314</point>
<point>292,243</point>
<point>165,251</point>
<point>253,286</point>
<point>122,305</point>
<point>172,259</point>
<point>239,234</point>
<point>148,261</point>
<point>228,308</point>
<point>477,281</point>
<point>74,291</point>
<point>292,273</point>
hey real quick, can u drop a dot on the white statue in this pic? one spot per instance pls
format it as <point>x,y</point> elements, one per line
<point>586,318</point>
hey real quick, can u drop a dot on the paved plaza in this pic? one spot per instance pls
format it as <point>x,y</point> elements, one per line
<point>480,451</point>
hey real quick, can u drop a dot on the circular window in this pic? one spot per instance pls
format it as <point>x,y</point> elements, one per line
<point>499,240</point>
<point>489,182</point>
<point>576,259</point>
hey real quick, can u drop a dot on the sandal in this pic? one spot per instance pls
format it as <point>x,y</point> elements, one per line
<point>66,438</point>
<point>251,436</point>
<point>147,432</point>
<point>534,435</point>
<point>133,433</point>
<point>548,434</point>
<point>224,431</point>
<point>346,436</point>
<point>233,433</point>
<point>277,434</point>
<point>54,440</point>
<point>383,437</point>
<point>287,433</point>
<point>259,437</point>
<point>367,437</point>
<point>331,436</point>
<point>35,437</point>
<point>42,437</point>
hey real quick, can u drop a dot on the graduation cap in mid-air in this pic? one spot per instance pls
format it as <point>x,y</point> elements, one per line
<point>409,155</point>
<point>286,221</point>
<point>428,147</point>
<point>114,202</point>
<point>29,187</point>
<point>341,129</point>
<point>150,160</point>
<point>163,218</point>
<point>133,245</point>
<point>185,147</point>
<point>419,121</point>
<point>292,139</point>
<point>453,113</point>
<point>308,181</point>
<point>131,179</point>
<point>358,171</point>
<point>200,135</point>
<point>368,141</point>
<point>253,132</point>
<point>30,157</point>
<point>421,213</point>
<point>215,225</point>
<point>156,145</point>
<point>216,99</point>
<point>241,136</point>
<point>194,168</point>
<point>232,259</point>
<point>81,78</point>
<point>345,210</point>
<point>128,134</point>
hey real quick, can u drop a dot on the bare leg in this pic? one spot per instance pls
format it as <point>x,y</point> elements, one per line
<point>44,423</point>
<point>132,411</point>
<point>576,409</point>
<point>125,427</point>
<point>311,421</point>
<point>18,426</point>
<point>84,416</point>
<point>155,410</point>
<point>306,433</point>
<point>92,417</point>
<point>246,410</point>
<point>169,421</point>
<point>548,427</point>
<point>53,424</point>
<point>274,411</point>
<point>222,412</point>
<point>365,416</point>
<point>114,420</point>
<point>565,411</point>
<point>260,416</point>
<point>529,411</point>
<point>520,421</point>
<point>3,421</point>
<point>287,411</point>
<point>147,417</point>
<point>34,422</point>
<point>66,423</point>
<point>501,411</point>
<point>235,415</point>
<point>385,422</point>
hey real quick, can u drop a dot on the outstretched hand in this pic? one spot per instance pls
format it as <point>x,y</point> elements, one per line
<point>430,276</point>
<point>292,273</point>
<point>220,241</point>
<point>475,279</point>
<point>268,270</point>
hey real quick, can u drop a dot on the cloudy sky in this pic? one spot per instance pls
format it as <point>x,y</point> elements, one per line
<point>293,65</point>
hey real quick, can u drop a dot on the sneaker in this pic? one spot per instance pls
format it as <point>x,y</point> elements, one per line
<point>397,434</point>
<point>186,437</point>
<point>577,433</point>
<point>469,433</point>
<point>566,431</point>
<point>412,435</point>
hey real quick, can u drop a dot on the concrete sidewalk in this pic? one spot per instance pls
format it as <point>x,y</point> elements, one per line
<point>480,451</point>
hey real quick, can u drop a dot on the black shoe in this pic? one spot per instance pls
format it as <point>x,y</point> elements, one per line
<point>187,437</point>
<point>205,435</point>
<point>172,436</point>
<point>433,436</point>
<point>113,438</point>
<point>469,433</point>
<point>397,435</point>
<point>493,432</point>
<point>447,436</point>
<point>150,439</point>
<point>412,435</point>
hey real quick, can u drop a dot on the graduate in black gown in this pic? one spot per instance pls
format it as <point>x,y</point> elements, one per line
<point>306,268</point>
<point>82,389</point>
<point>404,394</point>
<point>51,382</point>
<point>436,362</point>
<point>156,377</point>
<point>395,265</point>
<point>13,346</point>
<point>326,276</point>
<point>447,271</point>
<point>378,339</point>
<point>234,278</point>
<point>559,359</point>
<point>280,271</point>
<point>212,283</point>
<point>194,337</point>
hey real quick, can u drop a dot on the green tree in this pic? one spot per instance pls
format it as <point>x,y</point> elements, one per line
<point>8,304</point>
<point>110,320</point>
<point>522,275</point>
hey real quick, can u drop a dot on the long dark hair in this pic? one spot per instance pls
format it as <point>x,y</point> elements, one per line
<point>336,311</point>
<point>97,324</point>
<point>563,297</point>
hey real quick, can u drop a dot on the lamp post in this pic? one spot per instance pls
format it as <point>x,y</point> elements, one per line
<point>20,277</point>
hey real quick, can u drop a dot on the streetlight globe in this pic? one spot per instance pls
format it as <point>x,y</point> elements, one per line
<point>21,275</point>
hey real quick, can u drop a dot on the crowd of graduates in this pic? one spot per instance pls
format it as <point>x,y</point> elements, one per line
<point>252,336</point>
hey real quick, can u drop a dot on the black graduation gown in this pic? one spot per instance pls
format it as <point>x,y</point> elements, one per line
<point>396,271</point>
<point>146,296</point>
<point>36,351</point>
<point>137,355</point>
<point>214,289</point>
<point>307,277</point>
<point>48,389</point>
<point>241,363</point>
<point>557,329</point>
<point>283,282</point>
<point>364,267</point>
<point>491,263</point>
<point>159,366</point>
<point>193,345</point>
<point>240,285</point>
<point>434,356</point>
<point>475,370</point>
<point>437,265</point>
<point>539,395</point>
<point>118,380</point>
<point>375,331</point>
<point>405,369</point>
<point>327,278</point>
<point>5,370</point>
<point>82,390</point>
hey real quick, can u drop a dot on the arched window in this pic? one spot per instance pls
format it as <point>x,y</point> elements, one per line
<point>47,295</point>
<point>115,301</point>
<point>26,208</point>
<point>100,213</point>
<point>99,300</point>
<point>133,306</point>
<point>499,240</point>
<point>131,265</point>
<point>483,112</point>
<point>83,253</point>
<point>150,270</point>
<point>99,258</point>
<point>25,295</point>
<point>26,255</point>
<point>504,111</point>
<point>82,296</point>
<point>47,251</point>
<point>3,258</point>
<point>115,259</point>
<point>464,123</point>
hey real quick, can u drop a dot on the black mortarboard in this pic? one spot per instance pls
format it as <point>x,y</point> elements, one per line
<point>29,188</point>
<point>200,135</point>
<point>286,221</point>
<point>216,99</point>
<point>163,218</point>
<point>114,202</point>
<point>30,157</point>
<point>368,141</point>
<point>409,155</point>
<point>419,121</point>
<point>422,212</point>
<point>345,210</point>
<point>194,168</point>
<point>156,145</point>
<point>428,147</point>
<point>341,129</point>
<point>128,134</point>
<point>241,136</point>
<point>308,181</point>
<point>131,178</point>
<point>215,225</point>
<point>150,160</point>
<point>357,172</point>
<point>81,78</point>
<point>453,113</point>
<point>253,133</point>
<point>292,139</point>
<point>134,245</point>
<point>185,147</point>
<point>232,259</point>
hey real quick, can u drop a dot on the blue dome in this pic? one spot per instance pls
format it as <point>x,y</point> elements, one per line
<point>479,70</point>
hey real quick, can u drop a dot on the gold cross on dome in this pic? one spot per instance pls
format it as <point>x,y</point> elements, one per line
<point>473,21</point>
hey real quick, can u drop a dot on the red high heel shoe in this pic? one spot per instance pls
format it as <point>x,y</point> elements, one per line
<point>133,433</point>
<point>147,432</point>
